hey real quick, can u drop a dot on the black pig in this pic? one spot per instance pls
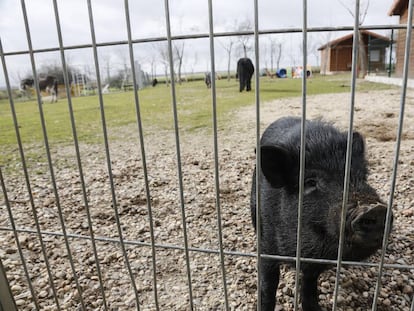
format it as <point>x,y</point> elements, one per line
<point>322,203</point>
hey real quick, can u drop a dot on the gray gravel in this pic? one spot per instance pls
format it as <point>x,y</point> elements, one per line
<point>376,117</point>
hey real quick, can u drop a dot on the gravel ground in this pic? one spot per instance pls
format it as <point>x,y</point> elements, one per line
<point>376,116</point>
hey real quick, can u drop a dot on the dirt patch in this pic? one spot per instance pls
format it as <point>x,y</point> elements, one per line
<point>376,115</point>
<point>383,131</point>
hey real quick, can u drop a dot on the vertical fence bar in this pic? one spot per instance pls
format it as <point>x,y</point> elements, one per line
<point>390,57</point>
<point>302,156</point>
<point>108,156</point>
<point>77,151</point>
<point>216,158</point>
<point>412,305</point>
<point>7,302</point>
<point>258,155</point>
<point>6,297</point>
<point>178,151</point>
<point>143,155</point>
<point>27,181</point>
<point>387,229</point>
<point>9,93</point>
<point>355,53</point>
<point>49,158</point>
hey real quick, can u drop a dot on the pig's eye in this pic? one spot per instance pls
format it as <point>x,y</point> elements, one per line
<point>310,185</point>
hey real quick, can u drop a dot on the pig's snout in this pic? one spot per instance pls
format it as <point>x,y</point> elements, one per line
<point>367,225</point>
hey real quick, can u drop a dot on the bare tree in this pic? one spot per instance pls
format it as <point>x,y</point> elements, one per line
<point>194,62</point>
<point>244,40</point>
<point>126,69</point>
<point>361,51</point>
<point>162,50</point>
<point>107,65</point>
<point>326,43</point>
<point>313,50</point>
<point>275,52</point>
<point>179,54</point>
<point>279,54</point>
<point>228,46</point>
<point>50,68</point>
<point>152,60</point>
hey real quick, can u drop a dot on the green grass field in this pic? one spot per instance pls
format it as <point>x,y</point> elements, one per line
<point>194,106</point>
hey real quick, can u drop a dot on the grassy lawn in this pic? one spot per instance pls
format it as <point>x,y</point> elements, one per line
<point>193,104</point>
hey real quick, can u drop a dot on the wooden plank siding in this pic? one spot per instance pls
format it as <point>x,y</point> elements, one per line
<point>400,50</point>
<point>400,8</point>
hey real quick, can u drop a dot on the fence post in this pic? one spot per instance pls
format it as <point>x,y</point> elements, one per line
<point>6,298</point>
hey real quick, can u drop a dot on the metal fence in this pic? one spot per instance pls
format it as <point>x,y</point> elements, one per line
<point>126,248</point>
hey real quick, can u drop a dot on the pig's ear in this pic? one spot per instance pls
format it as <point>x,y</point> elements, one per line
<point>275,162</point>
<point>358,145</point>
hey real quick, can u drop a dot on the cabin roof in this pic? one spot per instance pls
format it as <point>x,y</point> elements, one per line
<point>351,35</point>
<point>398,7</point>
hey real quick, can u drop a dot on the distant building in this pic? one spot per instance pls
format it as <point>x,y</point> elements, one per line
<point>400,8</point>
<point>336,55</point>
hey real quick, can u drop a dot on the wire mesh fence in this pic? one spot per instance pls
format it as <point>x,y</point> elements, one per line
<point>149,218</point>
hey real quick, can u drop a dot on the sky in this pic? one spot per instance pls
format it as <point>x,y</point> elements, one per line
<point>188,17</point>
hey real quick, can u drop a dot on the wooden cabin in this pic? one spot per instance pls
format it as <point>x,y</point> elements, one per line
<point>336,55</point>
<point>400,8</point>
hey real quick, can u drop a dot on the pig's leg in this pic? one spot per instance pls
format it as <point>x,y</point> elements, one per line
<point>268,283</point>
<point>310,287</point>
<point>248,84</point>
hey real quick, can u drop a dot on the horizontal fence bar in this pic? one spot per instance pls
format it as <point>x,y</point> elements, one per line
<point>120,241</point>
<point>206,36</point>
<point>213,251</point>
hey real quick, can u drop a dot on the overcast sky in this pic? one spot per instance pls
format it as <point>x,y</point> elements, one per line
<point>148,20</point>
